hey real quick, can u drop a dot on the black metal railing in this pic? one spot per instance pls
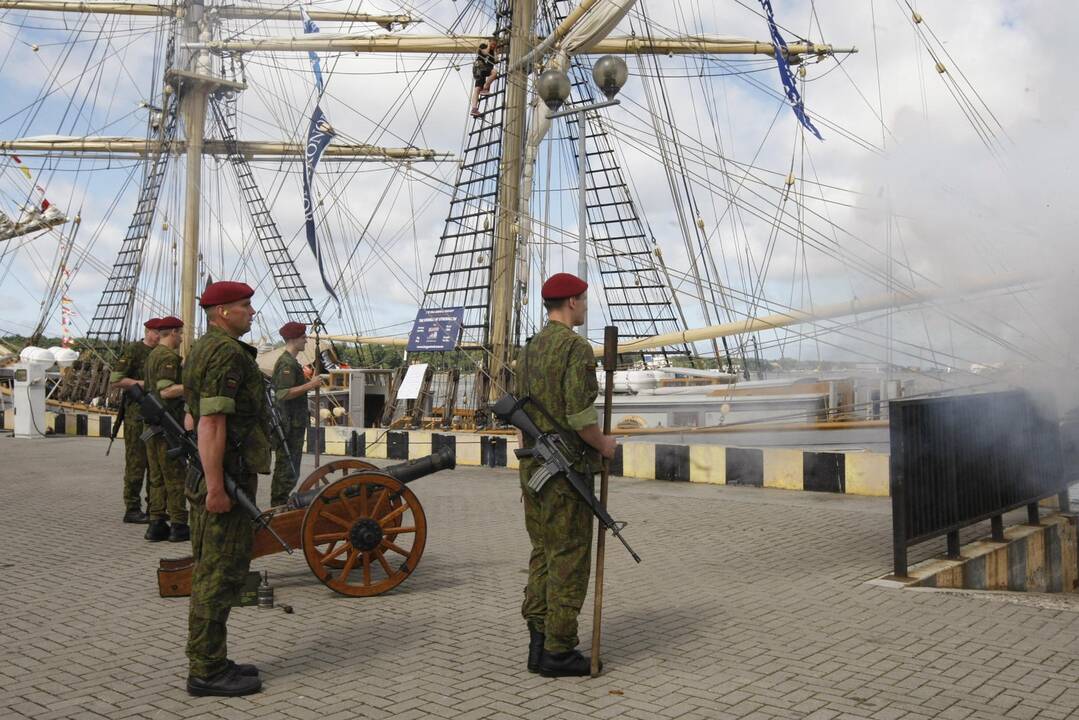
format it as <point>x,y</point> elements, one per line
<point>956,461</point>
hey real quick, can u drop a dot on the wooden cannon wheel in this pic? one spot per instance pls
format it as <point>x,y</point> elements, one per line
<point>364,534</point>
<point>330,472</point>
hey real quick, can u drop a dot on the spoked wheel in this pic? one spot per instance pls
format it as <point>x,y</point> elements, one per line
<point>331,472</point>
<point>364,534</point>
<point>328,474</point>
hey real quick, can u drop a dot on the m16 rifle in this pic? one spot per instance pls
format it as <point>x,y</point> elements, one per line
<point>119,422</point>
<point>550,451</point>
<point>182,446</point>
<point>277,428</point>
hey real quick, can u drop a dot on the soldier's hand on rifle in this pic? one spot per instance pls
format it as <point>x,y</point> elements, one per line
<point>189,422</point>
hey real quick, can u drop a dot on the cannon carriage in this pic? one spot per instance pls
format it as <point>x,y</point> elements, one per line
<point>361,528</point>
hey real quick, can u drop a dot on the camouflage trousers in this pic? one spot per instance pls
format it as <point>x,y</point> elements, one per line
<point>559,524</point>
<point>285,475</point>
<point>135,463</point>
<point>221,545</point>
<point>166,484</point>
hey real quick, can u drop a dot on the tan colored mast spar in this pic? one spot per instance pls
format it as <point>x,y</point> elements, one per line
<point>826,312</point>
<point>198,82</point>
<point>504,256</point>
<point>777,320</point>
<point>558,33</point>
<point>248,148</point>
<point>467,44</point>
<point>228,12</point>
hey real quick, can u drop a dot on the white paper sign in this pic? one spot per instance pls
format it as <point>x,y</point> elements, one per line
<point>410,386</point>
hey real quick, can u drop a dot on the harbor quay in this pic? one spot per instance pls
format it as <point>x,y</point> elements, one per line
<point>749,603</point>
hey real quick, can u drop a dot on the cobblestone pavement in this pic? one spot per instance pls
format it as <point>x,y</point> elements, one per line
<point>749,604</point>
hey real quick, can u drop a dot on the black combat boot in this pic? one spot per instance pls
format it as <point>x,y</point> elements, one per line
<point>227,683</point>
<point>136,516</point>
<point>158,530</point>
<point>535,649</point>
<point>570,663</point>
<point>179,532</point>
<point>244,669</point>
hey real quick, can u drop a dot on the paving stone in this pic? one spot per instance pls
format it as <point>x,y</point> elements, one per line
<point>755,608</point>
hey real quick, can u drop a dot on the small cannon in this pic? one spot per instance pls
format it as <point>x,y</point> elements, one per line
<point>362,530</point>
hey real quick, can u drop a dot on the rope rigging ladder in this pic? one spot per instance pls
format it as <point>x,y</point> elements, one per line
<point>461,273</point>
<point>111,322</point>
<point>638,300</point>
<point>290,286</point>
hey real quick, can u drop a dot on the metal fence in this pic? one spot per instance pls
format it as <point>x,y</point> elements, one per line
<point>956,461</point>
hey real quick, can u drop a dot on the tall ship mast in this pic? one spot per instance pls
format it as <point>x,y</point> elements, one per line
<point>691,300</point>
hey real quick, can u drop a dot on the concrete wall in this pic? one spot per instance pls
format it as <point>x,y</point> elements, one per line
<point>855,473</point>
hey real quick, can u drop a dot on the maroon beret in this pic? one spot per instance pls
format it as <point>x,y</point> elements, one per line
<point>225,292</point>
<point>563,285</point>
<point>169,323</point>
<point>293,330</point>
<point>152,324</point>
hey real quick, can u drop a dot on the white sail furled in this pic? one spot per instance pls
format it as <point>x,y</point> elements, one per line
<point>597,23</point>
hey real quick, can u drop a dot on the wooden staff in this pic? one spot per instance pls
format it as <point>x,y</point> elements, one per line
<point>610,358</point>
<point>318,390</point>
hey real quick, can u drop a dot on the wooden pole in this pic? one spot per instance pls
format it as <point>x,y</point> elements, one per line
<point>194,108</point>
<point>140,147</point>
<point>233,12</point>
<point>504,257</point>
<point>610,358</point>
<point>466,45</point>
<point>316,369</point>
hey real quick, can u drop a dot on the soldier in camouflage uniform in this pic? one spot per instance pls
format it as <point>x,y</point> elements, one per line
<point>163,378</point>
<point>128,371</point>
<point>225,396</point>
<point>290,391</point>
<point>558,371</point>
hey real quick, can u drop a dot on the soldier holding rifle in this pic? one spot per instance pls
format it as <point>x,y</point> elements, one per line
<point>558,373</point>
<point>225,396</point>
<point>290,392</point>
<point>128,371</point>
<point>163,377</point>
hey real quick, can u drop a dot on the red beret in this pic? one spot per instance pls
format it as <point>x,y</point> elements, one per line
<point>169,323</point>
<point>152,324</point>
<point>225,292</point>
<point>563,285</point>
<point>293,330</point>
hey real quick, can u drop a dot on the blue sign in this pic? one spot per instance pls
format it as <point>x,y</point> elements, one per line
<point>436,330</point>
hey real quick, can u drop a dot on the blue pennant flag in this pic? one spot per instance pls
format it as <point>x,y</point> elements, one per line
<point>319,134</point>
<point>785,74</point>
<point>309,27</point>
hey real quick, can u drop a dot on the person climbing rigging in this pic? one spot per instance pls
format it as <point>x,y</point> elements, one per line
<point>483,73</point>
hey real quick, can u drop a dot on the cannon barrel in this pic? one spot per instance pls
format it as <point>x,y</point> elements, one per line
<point>443,459</point>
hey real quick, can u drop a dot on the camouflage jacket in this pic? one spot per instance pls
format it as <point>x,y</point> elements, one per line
<point>221,377</point>
<point>558,370</point>
<point>163,369</point>
<point>287,374</point>
<point>132,364</point>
